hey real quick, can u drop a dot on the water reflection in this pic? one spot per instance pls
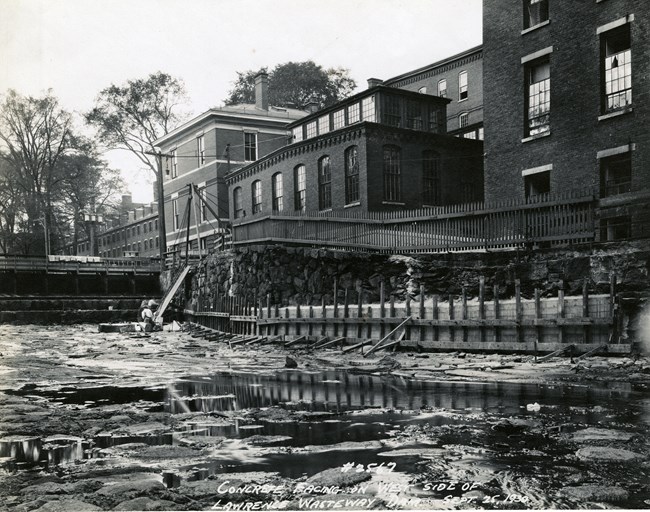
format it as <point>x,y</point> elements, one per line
<point>337,392</point>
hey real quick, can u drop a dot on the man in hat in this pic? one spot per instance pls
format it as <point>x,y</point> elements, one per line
<point>147,315</point>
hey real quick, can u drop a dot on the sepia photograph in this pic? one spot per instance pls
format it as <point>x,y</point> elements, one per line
<point>297,255</point>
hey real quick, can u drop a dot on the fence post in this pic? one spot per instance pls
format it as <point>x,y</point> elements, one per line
<point>452,332</point>
<point>560,312</point>
<point>518,309</point>
<point>336,306</point>
<point>585,311</point>
<point>497,313</point>
<point>345,312</point>
<point>481,307</point>
<point>382,306</point>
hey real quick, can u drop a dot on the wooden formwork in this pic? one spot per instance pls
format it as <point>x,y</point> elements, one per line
<point>582,323</point>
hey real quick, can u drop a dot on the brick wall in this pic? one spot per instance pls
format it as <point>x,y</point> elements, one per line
<point>576,133</point>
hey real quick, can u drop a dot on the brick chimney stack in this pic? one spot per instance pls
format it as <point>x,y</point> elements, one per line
<point>262,91</point>
<point>374,82</point>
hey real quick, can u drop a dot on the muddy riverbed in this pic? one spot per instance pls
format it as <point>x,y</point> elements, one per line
<point>169,421</point>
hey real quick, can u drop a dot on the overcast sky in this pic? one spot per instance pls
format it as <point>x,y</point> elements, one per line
<point>78,47</point>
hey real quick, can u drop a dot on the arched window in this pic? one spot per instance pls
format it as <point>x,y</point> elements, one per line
<point>422,90</point>
<point>299,188</point>
<point>324,183</point>
<point>392,174</point>
<point>238,207</point>
<point>430,178</point>
<point>276,186</point>
<point>442,88</point>
<point>256,196</point>
<point>351,175</point>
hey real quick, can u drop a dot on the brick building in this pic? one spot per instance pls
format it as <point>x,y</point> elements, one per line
<point>134,233</point>
<point>203,150</point>
<point>567,104</point>
<point>382,149</point>
<point>459,78</point>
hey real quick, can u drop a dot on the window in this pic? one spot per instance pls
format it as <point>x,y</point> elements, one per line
<point>414,115</point>
<point>311,129</point>
<point>276,186</point>
<point>392,171</point>
<point>256,196</point>
<point>300,188</point>
<point>442,88</point>
<point>203,211</point>
<point>392,114</point>
<point>144,229</point>
<point>323,124</point>
<point>535,12</point>
<point>157,243</point>
<point>615,228</point>
<point>150,226</point>
<point>435,120</point>
<point>368,109</point>
<point>538,99</point>
<point>200,141</point>
<point>250,147</point>
<point>324,183</point>
<point>430,178</point>
<point>175,214</point>
<point>351,175</point>
<point>463,120</point>
<point>616,69</point>
<point>297,134</point>
<point>537,183</point>
<point>462,86</point>
<point>203,243</point>
<point>615,175</point>
<point>339,119</point>
<point>146,245</point>
<point>113,236</point>
<point>155,223</point>
<point>353,113</point>
<point>238,207</point>
<point>422,90</point>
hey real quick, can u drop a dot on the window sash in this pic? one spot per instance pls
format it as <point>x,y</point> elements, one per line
<point>237,202</point>
<point>324,183</point>
<point>430,178</point>
<point>538,105</point>
<point>250,147</point>
<point>442,88</point>
<point>276,182</point>
<point>392,174</point>
<point>351,175</point>
<point>462,86</point>
<point>300,188</point>
<point>257,196</point>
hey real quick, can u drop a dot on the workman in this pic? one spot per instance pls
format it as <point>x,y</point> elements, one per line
<point>147,315</point>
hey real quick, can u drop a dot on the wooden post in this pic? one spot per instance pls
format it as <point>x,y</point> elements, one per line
<point>345,311</point>
<point>481,307</point>
<point>561,311</point>
<point>434,316</point>
<point>538,316</point>
<point>408,313</point>
<point>369,330</point>
<point>310,328</point>
<point>585,311</point>
<point>451,317</point>
<point>382,305</point>
<point>323,329</point>
<point>422,313</point>
<point>275,325</point>
<point>464,310</point>
<point>391,310</point>
<point>287,323</point>
<point>359,311</point>
<point>613,310</point>
<point>518,309</point>
<point>298,315</point>
<point>336,306</point>
<point>497,313</point>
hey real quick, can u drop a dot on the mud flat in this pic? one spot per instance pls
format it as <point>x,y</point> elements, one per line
<point>166,421</point>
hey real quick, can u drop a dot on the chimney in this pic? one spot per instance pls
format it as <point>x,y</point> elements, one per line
<point>374,82</point>
<point>262,91</point>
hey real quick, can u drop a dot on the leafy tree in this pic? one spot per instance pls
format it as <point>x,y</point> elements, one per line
<point>36,133</point>
<point>134,115</point>
<point>294,84</point>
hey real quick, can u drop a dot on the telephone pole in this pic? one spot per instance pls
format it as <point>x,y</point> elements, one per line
<point>162,232</point>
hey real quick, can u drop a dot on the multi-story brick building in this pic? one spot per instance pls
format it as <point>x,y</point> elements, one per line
<point>567,104</point>
<point>382,149</point>
<point>459,78</point>
<point>134,233</point>
<point>203,150</point>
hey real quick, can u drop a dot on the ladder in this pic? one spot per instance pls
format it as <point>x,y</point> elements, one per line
<point>171,292</point>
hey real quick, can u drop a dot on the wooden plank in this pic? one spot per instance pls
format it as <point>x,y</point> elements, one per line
<point>374,347</point>
<point>356,346</point>
<point>599,348</point>
<point>297,340</point>
<point>257,339</point>
<point>171,292</point>
<point>331,342</point>
<point>393,343</point>
<point>558,352</point>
